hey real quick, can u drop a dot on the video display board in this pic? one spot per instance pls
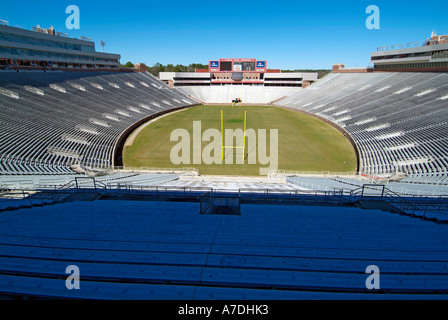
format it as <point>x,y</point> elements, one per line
<point>248,66</point>
<point>226,66</point>
<point>244,66</point>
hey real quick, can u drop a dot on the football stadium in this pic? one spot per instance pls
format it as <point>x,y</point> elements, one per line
<point>235,182</point>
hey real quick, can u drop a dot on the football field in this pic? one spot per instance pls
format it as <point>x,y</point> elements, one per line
<point>304,142</point>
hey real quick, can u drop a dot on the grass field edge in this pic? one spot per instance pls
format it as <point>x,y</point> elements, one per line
<point>345,134</point>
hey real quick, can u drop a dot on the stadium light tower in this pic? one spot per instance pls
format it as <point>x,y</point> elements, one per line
<point>102,44</point>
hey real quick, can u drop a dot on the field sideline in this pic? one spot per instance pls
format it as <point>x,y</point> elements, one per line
<point>304,142</point>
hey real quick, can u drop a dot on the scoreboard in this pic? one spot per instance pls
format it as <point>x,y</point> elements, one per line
<point>225,66</point>
<point>237,65</point>
<point>244,66</point>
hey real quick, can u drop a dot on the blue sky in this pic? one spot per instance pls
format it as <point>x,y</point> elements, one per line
<point>288,34</point>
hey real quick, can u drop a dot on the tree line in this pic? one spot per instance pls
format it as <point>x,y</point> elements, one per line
<point>158,67</point>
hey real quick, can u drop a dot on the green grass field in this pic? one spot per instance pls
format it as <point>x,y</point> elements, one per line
<point>304,143</point>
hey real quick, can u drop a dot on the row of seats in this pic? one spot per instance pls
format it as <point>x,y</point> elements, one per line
<point>399,121</point>
<point>166,250</point>
<point>33,182</point>
<point>53,120</point>
<point>248,94</point>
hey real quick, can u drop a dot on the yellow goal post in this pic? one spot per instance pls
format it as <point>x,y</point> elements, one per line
<point>223,147</point>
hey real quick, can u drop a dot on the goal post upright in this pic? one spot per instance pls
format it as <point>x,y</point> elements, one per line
<point>244,132</point>
<point>222,137</point>
<point>223,147</point>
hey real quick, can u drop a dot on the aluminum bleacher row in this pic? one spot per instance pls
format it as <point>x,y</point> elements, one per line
<point>166,250</point>
<point>127,245</point>
<point>337,183</point>
<point>54,119</point>
<point>46,182</point>
<point>51,120</point>
<point>399,121</point>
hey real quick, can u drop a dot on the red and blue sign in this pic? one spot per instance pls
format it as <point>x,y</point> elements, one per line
<point>213,65</point>
<point>261,66</point>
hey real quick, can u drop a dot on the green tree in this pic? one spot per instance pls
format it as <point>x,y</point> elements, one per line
<point>179,68</point>
<point>129,64</point>
<point>169,67</point>
<point>155,70</point>
<point>195,66</point>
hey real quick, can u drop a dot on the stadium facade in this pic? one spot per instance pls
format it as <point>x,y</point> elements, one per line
<point>240,71</point>
<point>429,55</point>
<point>47,48</point>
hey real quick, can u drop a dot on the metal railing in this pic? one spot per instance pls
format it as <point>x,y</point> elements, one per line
<point>416,206</point>
<point>401,46</point>
<point>314,173</point>
<point>206,202</point>
<point>154,169</point>
<point>8,199</point>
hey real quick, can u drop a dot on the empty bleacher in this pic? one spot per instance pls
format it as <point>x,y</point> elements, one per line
<point>399,121</point>
<point>166,250</point>
<point>53,120</point>
<point>248,94</point>
<point>115,180</point>
<point>338,183</point>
